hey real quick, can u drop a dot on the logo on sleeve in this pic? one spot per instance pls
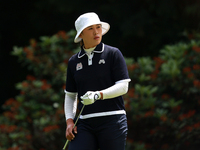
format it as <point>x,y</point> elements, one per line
<point>102,61</point>
<point>79,66</point>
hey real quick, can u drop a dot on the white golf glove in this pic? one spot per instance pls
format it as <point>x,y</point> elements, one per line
<point>90,97</point>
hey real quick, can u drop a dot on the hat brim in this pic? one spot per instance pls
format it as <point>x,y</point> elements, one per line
<point>105,29</point>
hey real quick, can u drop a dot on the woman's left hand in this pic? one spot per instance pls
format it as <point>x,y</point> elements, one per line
<point>90,97</point>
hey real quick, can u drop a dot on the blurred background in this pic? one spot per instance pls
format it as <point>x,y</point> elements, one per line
<point>139,28</point>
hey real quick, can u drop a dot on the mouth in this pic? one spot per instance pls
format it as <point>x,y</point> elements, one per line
<point>96,37</point>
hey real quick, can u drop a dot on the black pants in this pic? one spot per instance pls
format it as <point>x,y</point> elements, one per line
<point>104,133</point>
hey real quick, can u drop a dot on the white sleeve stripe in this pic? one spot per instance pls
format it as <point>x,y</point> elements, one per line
<point>70,92</point>
<point>125,80</point>
<point>117,112</point>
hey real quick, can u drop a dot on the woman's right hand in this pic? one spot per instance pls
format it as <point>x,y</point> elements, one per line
<point>70,130</point>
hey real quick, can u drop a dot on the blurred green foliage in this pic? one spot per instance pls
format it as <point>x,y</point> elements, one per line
<point>34,119</point>
<point>162,103</point>
<point>164,99</point>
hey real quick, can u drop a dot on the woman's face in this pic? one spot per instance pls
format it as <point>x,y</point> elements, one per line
<point>91,36</point>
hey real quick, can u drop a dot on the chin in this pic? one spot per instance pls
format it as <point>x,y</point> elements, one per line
<point>99,41</point>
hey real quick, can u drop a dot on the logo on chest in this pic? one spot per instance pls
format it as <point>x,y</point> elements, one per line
<point>79,66</point>
<point>102,61</point>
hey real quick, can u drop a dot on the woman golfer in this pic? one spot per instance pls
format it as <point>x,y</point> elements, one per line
<point>98,77</point>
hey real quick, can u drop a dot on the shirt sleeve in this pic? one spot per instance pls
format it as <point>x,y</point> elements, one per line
<point>119,68</point>
<point>70,81</point>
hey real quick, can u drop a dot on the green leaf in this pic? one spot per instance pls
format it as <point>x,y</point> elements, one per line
<point>129,61</point>
<point>146,64</point>
<point>143,77</point>
<point>37,83</point>
<point>170,68</point>
<point>17,51</point>
<point>160,112</point>
<point>19,86</point>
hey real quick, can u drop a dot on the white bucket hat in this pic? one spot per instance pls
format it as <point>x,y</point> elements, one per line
<point>87,20</point>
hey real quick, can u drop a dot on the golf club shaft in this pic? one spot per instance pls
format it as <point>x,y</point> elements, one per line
<point>74,126</point>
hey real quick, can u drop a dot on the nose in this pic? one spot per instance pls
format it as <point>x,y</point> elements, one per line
<point>95,31</point>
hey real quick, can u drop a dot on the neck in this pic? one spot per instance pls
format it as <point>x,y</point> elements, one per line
<point>88,47</point>
<point>89,50</point>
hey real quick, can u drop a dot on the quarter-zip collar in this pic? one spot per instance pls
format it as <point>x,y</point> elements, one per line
<point>99,49</point>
